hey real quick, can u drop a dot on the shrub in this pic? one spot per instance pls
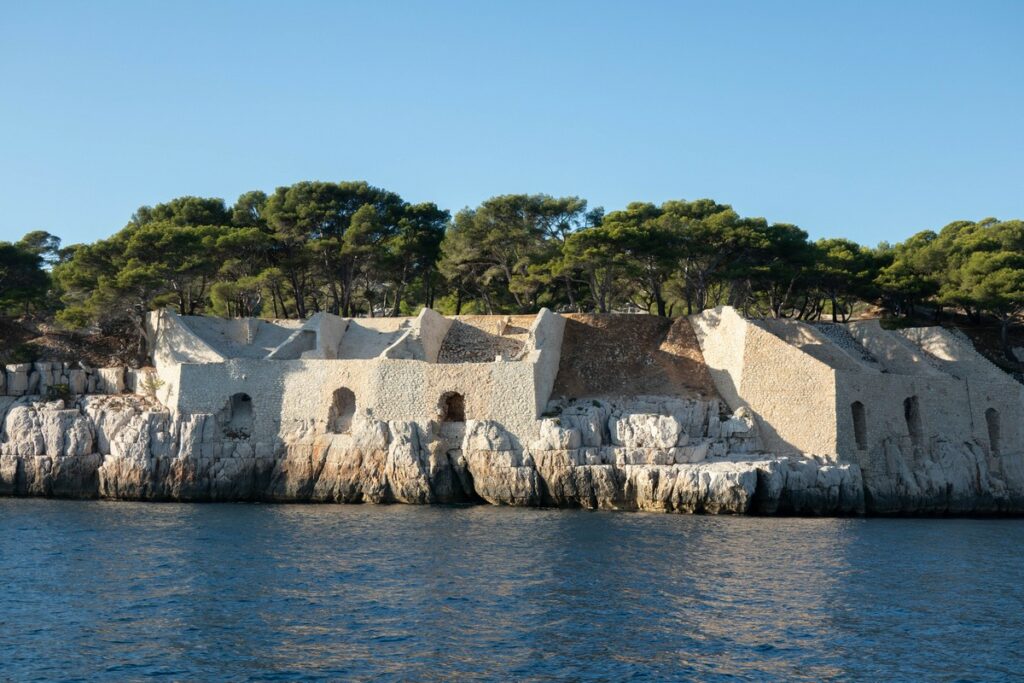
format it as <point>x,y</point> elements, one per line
<point>58,392</point>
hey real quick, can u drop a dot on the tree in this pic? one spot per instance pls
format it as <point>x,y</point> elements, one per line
<point>414,249</point>
<point>23,281</point>
<point>501,251</point>
<point>42,244</point>
<point>845,272</point>
<point>184,211</point>
<point>651,243</point>
<point>775,260</point>
<point>914,274</point>
<point>594,258</point>
<point>709,240</point>
<point>249,209</point>
<point>309,221</point>
<point>994,281</point>
<point>180,260</point>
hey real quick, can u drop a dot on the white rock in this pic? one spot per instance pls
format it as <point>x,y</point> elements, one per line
<point>640,430</point>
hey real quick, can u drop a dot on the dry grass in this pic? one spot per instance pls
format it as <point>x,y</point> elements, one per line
<point>631,355</point>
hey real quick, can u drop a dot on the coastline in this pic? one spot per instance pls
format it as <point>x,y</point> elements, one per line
<point>125,448</point>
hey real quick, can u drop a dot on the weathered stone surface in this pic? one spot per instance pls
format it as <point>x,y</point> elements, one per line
<point>645,431</point>
<point>942,478</point>
<point>128,447</point>
<point>110,380</point>
<point>17,378</point>
<point>78,381</point>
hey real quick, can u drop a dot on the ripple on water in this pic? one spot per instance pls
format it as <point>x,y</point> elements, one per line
<point>96,590</point>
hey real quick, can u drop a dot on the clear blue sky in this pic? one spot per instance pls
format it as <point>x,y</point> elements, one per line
<point>870,120</point>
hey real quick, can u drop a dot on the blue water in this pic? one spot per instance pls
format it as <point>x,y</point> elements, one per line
<point>124,591</point>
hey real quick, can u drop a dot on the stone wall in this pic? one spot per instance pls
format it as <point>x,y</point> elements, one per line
<point>22,379</point>
<point>388,364</point>
<point>295,395</point>
<point>791,393</point>
<point>800,419</point>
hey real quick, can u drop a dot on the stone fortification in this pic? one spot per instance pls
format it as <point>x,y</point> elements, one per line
<point>713,414</point>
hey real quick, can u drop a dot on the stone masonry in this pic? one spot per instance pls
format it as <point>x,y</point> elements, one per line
<point>745,416</point>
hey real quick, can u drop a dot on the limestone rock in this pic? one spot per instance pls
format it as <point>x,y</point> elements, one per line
<point>110,380</point>
<point>639,430</point>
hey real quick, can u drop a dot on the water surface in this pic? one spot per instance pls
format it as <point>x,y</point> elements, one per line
<point>125,591</point>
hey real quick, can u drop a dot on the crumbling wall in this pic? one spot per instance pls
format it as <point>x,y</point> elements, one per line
<point>423,340</point>
<point>792,394</point>
<point>171,341</point>
<point>630,355</point>
<point>295,395</point>
<point>893,352</point>
<point>75,379</point>
<point>543,349</point>
<point>988,387</point>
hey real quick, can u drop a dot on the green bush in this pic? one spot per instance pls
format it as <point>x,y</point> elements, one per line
<point>58,392</point>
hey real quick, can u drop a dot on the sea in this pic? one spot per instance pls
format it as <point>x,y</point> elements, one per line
<point>117,591</point>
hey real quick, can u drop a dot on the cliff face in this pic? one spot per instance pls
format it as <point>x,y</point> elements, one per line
<point>672,455</point>
<point>941,477</point>
<point>595,455</point>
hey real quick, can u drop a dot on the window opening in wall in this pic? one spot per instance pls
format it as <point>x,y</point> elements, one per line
<point>343,407</point>
<point>453,407</point>
<point>912,414</point>
<point>860,425</point>
<point>992,420</point>
<point>236,418</point>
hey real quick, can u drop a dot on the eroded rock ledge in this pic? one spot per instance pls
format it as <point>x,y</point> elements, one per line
<point>680,457</point>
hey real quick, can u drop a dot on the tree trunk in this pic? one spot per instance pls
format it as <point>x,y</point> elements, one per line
<point>570,293</point>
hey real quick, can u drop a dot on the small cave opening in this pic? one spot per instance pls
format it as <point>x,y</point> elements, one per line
<point>343,407</point>
<point>912,414</point>
<point>860,425</point>
<point>992,420</point>
<point>236,417</point>
<point>452,407</point>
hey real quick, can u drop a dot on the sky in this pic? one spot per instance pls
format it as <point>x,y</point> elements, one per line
<point>866,120</point>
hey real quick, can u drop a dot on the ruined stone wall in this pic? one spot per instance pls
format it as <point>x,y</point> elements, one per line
<point>544,351</point>
<point>399,383</point>
<point>816,419</point>
<point>953,385</point>
<point>423,339</point>
<point>792,394</point>
<point>296,394</point>
<point>36,379</point>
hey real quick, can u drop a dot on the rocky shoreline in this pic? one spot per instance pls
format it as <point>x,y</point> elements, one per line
<point>127,447</point>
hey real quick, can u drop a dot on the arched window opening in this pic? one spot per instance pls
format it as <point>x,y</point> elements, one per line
<point>236,417</point>
<point>453,407</point>
<point>992,420</point>
<point>912,414</point>
<point>343,407</point>
<point>860,425</point>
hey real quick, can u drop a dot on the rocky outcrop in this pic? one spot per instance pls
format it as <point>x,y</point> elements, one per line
<point>594,456</point>
<point>666,455</point>
<point>940,477</point>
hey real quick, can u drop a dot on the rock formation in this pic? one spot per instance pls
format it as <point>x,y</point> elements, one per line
<point>598,455</point>
<point>732,431</point>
